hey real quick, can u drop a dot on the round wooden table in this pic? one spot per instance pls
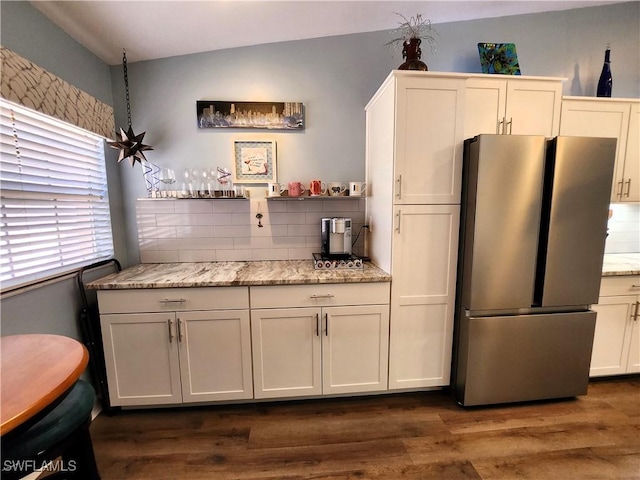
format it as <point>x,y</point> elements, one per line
<point>35,370</point>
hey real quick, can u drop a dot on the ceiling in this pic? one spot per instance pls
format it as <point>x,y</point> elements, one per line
<point>151,29</point>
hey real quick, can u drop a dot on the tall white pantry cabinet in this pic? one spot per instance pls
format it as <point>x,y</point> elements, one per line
<point>416,124</point>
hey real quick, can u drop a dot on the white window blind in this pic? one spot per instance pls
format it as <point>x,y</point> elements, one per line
<point>53,190</point>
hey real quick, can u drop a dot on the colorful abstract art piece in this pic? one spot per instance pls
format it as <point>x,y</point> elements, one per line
<point>500,58</point>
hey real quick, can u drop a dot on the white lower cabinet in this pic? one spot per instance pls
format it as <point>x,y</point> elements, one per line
<point>616,343</point>
<point>215,355</point>
<point>179,355</point>
<point>170,346</point>
<point>141,356</point>
<point>332,339</point>
<point>425,249</point>
<point>287,352</point>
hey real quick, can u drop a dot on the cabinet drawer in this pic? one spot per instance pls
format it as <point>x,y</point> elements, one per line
<point>620,286</point>
<point>172,299</point>
<point>319,295</point>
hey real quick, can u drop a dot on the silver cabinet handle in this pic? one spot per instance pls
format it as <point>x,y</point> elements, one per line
<point>326,323</point>
<point>317,324</point>
<point>634,317</point>
<point>620,188</point>
<point>500,129</point>
<point>169,322</point>
<point>179,330</point>
<point>399,187</point>
<point>399,215</point>
<point>510,125</point>
<point>326,295</point>
<point>173,300</point>
<point>628,184</point>
<point>634,286</point>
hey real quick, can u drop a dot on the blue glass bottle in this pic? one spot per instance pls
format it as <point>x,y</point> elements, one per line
<point>606,82</point>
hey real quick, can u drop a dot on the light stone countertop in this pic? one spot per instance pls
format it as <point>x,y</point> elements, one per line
<point>280,272</point>
<point>220,274</point>
<point>617,264</point>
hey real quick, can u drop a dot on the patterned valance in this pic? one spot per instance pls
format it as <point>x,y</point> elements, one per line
<point>29,85</point>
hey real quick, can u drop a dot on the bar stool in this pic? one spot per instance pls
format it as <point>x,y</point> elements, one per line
<point>60,438</point>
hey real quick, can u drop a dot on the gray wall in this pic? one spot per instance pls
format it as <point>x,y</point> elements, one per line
<point>29,33</point>
<point>54,308</point>
<point>334,77</point>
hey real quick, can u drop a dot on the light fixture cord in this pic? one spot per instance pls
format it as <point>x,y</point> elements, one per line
<point>126,84</point>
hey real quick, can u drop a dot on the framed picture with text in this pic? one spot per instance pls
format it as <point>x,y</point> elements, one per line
<point>254,161</point>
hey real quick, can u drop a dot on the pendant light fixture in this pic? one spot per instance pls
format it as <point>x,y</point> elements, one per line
<point>129,144</point>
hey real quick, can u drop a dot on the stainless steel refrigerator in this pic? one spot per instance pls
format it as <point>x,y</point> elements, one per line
<point>533,227</point>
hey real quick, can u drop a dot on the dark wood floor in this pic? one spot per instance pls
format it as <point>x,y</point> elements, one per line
<point>408,436</point>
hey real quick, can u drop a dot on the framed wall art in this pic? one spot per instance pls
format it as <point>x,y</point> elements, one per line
<point>255,115</point>
<point>254,161</point>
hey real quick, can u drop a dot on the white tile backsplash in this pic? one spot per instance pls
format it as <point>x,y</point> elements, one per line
<point>179,230</point>
<point>624,228</point>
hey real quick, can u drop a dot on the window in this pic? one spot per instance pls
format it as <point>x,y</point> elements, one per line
<point>54,213</point>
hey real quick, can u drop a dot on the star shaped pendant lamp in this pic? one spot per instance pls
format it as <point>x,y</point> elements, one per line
<point>129,144</point>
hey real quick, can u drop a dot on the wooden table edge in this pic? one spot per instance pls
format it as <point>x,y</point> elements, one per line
<point>42,403</point>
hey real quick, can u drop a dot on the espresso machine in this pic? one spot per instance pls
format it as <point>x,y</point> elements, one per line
<point>336,237</point>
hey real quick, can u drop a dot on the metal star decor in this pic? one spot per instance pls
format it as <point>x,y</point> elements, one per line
<point>129,144</point>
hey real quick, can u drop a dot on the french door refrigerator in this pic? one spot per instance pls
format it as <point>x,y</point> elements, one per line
<point>532,235</point>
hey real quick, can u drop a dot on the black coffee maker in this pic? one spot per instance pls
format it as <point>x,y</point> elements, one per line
<point>336,237</point>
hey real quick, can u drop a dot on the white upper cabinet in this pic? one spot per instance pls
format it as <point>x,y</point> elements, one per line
<point>611,118</point>
<point>428,138</point>
<point>518,106</point>
<point>630,174</point>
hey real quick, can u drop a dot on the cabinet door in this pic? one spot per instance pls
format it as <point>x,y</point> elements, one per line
<point>425,249</point>
<point>428,156</point>
<point>355,349</point>
<point>592,118</point>
<point>286,352</point>
<point>141,355</point>
<point>633,362</point>
<point>631,173</point>
<point>533,107</point>
<point>484,105</point>
<point>519,107</point>
<point>611,340</point>
<point>215,355</point>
